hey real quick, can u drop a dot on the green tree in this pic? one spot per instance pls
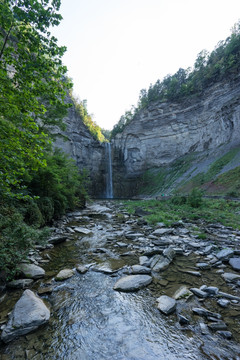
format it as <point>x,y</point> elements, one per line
<point>32,84</point>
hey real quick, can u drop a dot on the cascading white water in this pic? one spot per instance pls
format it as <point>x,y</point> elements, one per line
<point>109,180</point>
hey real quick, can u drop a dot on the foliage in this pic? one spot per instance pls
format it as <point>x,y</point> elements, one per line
<point>211,210</point>
<point>32,86</point>
<point>81,108</point>
<point>195,198</point>
<point>16,239</point>
<point>124,120</point>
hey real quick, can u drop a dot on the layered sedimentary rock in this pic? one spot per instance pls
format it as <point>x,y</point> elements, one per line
<point>163,132</point>
<point>88,153</point>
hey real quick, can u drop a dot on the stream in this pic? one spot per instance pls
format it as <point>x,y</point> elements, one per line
<point>91,321</point>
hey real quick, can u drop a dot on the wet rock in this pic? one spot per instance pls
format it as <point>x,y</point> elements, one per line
<point>57,239</point>
<point>45,290</point>
<point>235,263</point>
<point>159,263</point>
<point>81,269</point>
<point>83,231</point>
<point>208,249</point>
<point>132,282</point>
<point>161,241</point>
<point>229,296</point>
<point>211,290</point>
<point>28,314</point>
<point>194,273</point>
<point>183,320</point>
<point>203,328</point>
<point>32,271</point>
<point>103,268</point>
<point>169,253</point>
<point>64,274</point>
<point>225,254</point>
<point>182,293</point>
<point>204,312</point>
<point>225,334</point>
<point>139,269</point>
<point>199,293</point>
<point>223,303</point>
<point>166,304</point>
<point>229,277</point>
<point>203,266</point>
<point>20,283</point>
<point>219,325</point>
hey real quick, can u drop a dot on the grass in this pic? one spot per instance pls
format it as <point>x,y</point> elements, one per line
<point>211,211</point>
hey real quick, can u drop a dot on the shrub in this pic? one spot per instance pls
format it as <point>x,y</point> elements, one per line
<point>195,198</point>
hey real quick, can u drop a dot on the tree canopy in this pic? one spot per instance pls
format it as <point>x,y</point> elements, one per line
<point>32,86</point>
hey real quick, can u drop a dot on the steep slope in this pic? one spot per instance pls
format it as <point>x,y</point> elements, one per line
<point>201,128</point>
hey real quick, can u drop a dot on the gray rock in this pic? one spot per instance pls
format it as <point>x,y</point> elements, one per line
<point>199,293</point>
<point>229,296</point>
<point>203,266</point>
<point>32,271</point>
<point>166,304</point>
<point>208,249</point>
<point>20,283</point>
<point>64,274</point>
<point>225,334</point>
<point>235,263</point>
<point>139,269</point>
<point>183,320</point>
<point>28,314</point>
<point>57,239</point>
<point>132,282</point>
<point>182,293</point>
<point>211,290</point>
<point>229,277</point>
<point>133,236</point>
<point>164,231</point>
<point>159,263</point>
<point>81,269</point>
<point>223,303</point>
<point>225,254</point>
<point>204,312</point>
<point>219,325</point>
<point>83,231</point>
<point>169,253</point>
<point>204,328</point>
<point>194,273</point>
<point>144,261</point>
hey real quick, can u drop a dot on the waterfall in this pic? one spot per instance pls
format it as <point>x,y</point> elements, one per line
<point>109,181</point>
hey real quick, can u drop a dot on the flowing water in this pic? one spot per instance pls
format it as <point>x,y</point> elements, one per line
<point>91,321</point>
<point>109,180</point>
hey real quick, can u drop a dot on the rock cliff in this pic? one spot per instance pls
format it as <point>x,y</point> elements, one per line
<point>89,154</point>
<point>164,132</point>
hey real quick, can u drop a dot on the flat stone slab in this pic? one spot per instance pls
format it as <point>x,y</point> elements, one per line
<point>204,312</point>
<point>164,231</point>
<point>132,282</point>
<point>28,314</point>
<point>225,254</point>
<point>83,231</point>
<point>159,263</point>
<point>32,271</point>
<point>57,239</point>
<point>166,304</point>
<point>182,293</point>
<point>229,277</point>
<point>235,263</point>
<point>64,274</point>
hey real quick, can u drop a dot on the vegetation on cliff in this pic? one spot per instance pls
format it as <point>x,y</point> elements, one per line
<point>222,63</point>
<point>36,183</point>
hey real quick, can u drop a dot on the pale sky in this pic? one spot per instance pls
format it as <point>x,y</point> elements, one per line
<point>118,47</point>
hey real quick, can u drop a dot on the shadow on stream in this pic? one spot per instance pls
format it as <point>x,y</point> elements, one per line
<point>91,321</point>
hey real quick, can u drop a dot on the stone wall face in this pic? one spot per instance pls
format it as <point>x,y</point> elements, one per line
<point>164,132</point>
<point>88,153</point>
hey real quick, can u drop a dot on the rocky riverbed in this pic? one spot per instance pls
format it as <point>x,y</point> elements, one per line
<point>118,288</point>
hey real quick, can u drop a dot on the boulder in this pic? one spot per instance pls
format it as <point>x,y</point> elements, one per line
<point>64,274</point>
<point>32,271</point>
<point>82,231</point>
<point>225,254</point>
<point>229,277</point>
<point>139,269</point>
<point>235,263</point>
<point>28,314</point>
<point>132,282</point>
<point>159,263</point>
<point>166,304</point>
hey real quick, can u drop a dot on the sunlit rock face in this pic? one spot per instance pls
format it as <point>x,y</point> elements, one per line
<point>164,132</point>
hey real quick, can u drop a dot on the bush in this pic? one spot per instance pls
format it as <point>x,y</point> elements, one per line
<point>195,198</point>
<point>179,200</point>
